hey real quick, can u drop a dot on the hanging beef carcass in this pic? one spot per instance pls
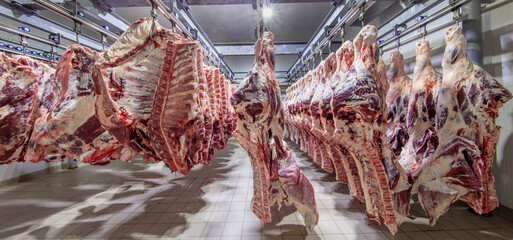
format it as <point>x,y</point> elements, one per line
<point>326,69</point>
<point>148,96</point>
<point>18,101</point>
<point>420,119</point>
<point>71,125</point>
<point>47,92</point>
<point>358,108</point>
<point>344,162</point>
<point>461,167</point>
<point>49,88</point>
<point>277,177</point>
<point>397,103</point>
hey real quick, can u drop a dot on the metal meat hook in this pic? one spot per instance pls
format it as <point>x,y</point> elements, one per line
<point>153,14</point>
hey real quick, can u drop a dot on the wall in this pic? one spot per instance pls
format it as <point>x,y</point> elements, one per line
<point>11,173</point>
<point>498,61</point>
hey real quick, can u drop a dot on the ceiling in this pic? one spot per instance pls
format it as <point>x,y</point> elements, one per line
<point>291,22</point>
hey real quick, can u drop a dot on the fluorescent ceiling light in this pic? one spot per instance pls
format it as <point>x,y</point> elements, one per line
<point>267,12</point>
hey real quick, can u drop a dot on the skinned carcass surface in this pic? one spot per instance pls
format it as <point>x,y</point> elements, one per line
<point>420,119</point>
<point>18,101</point>
<point>397,103</point>
<point>70,128</point>
<point>358,108</point>
<point>343,159</point>
<point>150,86</point>
<point>461,167</point>
<point>125,79</point>
<point>260,121</point>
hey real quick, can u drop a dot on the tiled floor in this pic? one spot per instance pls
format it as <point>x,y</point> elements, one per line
<point>144,201</point>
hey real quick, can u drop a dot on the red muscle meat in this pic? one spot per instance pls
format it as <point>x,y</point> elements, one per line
<point>71,127</point>
<point>260,121</point>
<point>461,167</point>
<point>18,101</point>
<point>397,103</point>
<point>420,118</point>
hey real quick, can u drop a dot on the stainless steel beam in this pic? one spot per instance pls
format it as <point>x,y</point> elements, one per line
<point>10,29</point>
<point>69,15</point>
<point>319,40</point>
<point>49,26</point>
<point>247,49</point>
<point>416,26</point>
<point>111,19</point>
<point>31,56</point>
<point>408,14</point>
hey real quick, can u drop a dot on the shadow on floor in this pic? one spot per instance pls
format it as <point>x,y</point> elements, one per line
<point>90,202</point>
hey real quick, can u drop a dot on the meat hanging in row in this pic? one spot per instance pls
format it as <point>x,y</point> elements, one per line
<point>434,132</point>
<point>148,94</point>
<point>347,120</point>
<point>260,125</point>
<point>460,166</point>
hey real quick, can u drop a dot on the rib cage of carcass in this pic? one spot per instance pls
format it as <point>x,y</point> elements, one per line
<point>148,94</point>
<point>260,127</point>
<point>440,130</point>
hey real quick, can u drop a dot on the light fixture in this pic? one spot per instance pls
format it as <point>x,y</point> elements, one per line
<point>81,14</point>
<point>33,52</point>
<point>420,18</point>
<point>26,29</point>
<point>106,27</point>
<point>267,12</point>
<point>19,49</point>
<point>2,44</point>
<point>27,51</point>
<point>10,46</point>
<point>41,54</point>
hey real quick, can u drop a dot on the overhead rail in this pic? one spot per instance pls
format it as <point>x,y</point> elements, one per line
<point>453,6</point>
<point>20,13</point>
<point>323,39</point>
<point>50,54</point>
<point>75,18</point>
<point>209,48</point>
<point>17,52</point>
<point>22,33</point>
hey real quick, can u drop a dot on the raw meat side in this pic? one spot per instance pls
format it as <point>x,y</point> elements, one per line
<point>70,127</point>
<point>18,101</point>
<point>397,103</point>
<point>420,118</point>
<point>49,89</point>
<point>125,80</point>
<point>176,123</point>
<point>260,121</point>
<point>461,167</point>
<point>343,160</point>
<point>358,107</point>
